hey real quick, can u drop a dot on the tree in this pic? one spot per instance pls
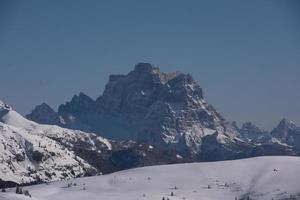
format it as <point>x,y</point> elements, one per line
<point>19,190</point>
<point>26,193</point>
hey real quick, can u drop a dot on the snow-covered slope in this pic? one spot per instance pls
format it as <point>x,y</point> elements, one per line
<point>31,152</point>
<point>261,178</point>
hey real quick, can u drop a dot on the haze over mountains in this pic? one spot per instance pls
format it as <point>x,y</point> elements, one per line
<point>148,117</point>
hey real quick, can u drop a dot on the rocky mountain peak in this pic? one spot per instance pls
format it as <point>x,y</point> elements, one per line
<point>235,125</point>
<point>250,127</point>
<point>286,124</point>
<point>82,97</point>
<point>145,68</point>
<point>287,132</point>
<point>4,106</point>
<point>43,114</point>
<point>44,107</point>
<point>163,109</point>
<point>79,104</point>
<point>250,131</point>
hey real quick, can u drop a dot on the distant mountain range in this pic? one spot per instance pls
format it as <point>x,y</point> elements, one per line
<point>163,109</point>
<point>149,117</point>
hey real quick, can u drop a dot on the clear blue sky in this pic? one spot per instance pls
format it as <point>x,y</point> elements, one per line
<point>244,54</point>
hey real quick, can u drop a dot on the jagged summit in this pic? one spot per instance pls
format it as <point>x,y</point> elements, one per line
<point>164,109</point>
<point>4,106</point>
<point>287,132</point>
<point>145,68</point>
<point>250,127</point>
<point>44,114</point>
<point>251,132</point>
<point>142,70</point>
<point>44,107</point>
<point>286,124</point>
<point>283,128</point>
<point>79,103</point>
<point>167,110</point>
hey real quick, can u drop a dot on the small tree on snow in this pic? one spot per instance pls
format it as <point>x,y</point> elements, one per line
<point>19,190</point>
<point>26,193</point>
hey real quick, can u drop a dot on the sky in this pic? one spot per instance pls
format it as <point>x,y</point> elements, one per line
<point>244,54</point>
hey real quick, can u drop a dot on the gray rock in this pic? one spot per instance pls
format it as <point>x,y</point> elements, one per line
<point>287,132</point>
<point>147,105</point>
<point>44,114</point>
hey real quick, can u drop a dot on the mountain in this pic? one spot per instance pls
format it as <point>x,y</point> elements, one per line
<point>167,111</point>
<point>287,132</point>
<point>262,178</point>
<point>150,118</point>
<point>251,133</point>
<point>33,153</point>
<point>44,114</point>
<point>146,105</point>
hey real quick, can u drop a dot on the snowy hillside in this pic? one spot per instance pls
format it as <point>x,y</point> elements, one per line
<point>31,152</point>
<point>261,178</point>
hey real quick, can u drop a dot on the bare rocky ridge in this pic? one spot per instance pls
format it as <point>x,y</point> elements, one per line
<point>166,110</point>
<point>44,114</point>
<point>287,132</point>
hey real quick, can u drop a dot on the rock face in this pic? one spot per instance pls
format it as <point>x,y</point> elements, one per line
<point>287,132</point>
<point>164,109</point>
<point>44,114</point>
<point>251,133</point>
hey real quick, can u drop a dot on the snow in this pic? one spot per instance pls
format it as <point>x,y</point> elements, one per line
<point>16,143</point>
<point>20,137</point>
<point>106,142</point>
<point>15,119</point>
<point>262,178</point>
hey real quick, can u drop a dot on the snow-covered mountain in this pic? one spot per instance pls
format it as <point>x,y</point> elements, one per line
<point>163,117</point>
<point>262,178</point>
<point>31,152</point>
